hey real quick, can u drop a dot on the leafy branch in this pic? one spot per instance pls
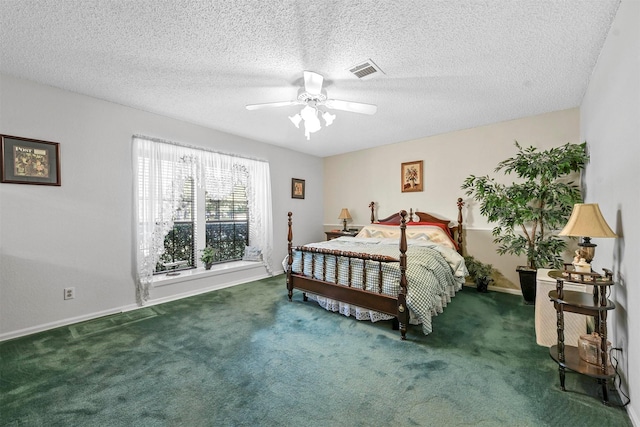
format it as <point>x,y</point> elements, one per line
<point>526,212</point>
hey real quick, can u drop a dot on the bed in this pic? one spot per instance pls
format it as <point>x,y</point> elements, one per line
<point>405,267</point>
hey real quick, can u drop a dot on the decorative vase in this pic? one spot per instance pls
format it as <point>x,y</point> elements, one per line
<point>528,284</point>
<point>482,285</point>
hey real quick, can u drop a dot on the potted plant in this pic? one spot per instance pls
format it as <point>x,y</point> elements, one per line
<point>208,256</point>
<point>529,210</point>
<point>479,272</point>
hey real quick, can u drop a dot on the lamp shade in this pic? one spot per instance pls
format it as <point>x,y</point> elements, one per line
<point>296,120</point>
<point>308,113</point>
<point>587,221</point>
<point>328,118</point>
<point>344,214</point>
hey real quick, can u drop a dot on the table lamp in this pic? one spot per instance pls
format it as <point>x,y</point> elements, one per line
<point>344,216</point>
<point>586,221</point>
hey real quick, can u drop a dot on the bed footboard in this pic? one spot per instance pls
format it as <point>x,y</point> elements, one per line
<point>370,297</point>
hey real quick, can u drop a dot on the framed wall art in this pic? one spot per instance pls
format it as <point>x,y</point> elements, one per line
<point>411,176</point>
<point>29,161</point>
<point>297,188</point>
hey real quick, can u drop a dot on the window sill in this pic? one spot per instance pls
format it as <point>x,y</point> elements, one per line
<point>201,272</point>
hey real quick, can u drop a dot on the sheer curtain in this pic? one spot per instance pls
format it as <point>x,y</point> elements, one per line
<point>160,171</point>
<point>253,174</point>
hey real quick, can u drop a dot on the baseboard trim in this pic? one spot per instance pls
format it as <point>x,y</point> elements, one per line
<point>129,307</point>
<point>496,289</point>
<point>156,301</point>
<point>162,300</point>
<point>65,322</point>
<point>505,290</point>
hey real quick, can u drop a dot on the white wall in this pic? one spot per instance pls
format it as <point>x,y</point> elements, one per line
<point>610,122</point>
<point>354,180</point>
<point>80,234</point>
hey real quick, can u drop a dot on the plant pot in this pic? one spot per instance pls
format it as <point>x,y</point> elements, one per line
<point>482,284</point>
<point>208,265</point>
<point>528,284</point>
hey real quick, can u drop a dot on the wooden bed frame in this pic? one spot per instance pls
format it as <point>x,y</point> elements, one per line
<point>372,299</point>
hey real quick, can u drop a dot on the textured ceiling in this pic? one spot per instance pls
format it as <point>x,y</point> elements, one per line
<point>448,65</point>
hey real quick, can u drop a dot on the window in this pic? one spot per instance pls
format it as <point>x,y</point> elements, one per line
<point>189,198</point>
<point>226,229</point>
<point>179,243</point>
<point>228,225</point>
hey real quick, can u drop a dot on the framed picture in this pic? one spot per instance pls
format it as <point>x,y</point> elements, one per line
<point>297,188</point>
<point>411,176</point>
<point>29,161</point>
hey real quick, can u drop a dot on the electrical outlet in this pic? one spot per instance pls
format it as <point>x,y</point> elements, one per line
<point>69,293</point>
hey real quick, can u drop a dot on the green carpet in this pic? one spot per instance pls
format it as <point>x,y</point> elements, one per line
<point>246,356</point>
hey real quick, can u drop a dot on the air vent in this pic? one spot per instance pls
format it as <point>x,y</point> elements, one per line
<point>366,70</point>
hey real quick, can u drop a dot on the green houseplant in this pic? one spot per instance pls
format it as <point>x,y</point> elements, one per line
<point>208,256</point>
<point>479,272</point>
<point>529,210</point>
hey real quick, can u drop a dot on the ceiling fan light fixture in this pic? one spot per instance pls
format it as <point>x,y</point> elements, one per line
<point>308,113</point>
<point>328,118</point>
<point>312,124</point>
<point>312,97</point>
<point>296,120</point>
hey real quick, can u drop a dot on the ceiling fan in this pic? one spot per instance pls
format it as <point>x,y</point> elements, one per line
<point>312,98</point>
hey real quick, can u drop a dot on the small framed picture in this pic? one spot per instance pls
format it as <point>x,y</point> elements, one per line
<point>411,176</point>
<point>29,161</point>
<point>297,188</point>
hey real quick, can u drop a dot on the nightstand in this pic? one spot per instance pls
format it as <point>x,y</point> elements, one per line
<point>335,234</point>
<point>568,356</point>
<point>575,324</point>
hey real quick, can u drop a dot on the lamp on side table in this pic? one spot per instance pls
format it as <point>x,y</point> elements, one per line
<point>344,216</point>
<point>586,221</point>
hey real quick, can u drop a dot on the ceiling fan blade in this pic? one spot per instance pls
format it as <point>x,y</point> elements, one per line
<point>354,107</point>
<point>313,83</point>
<point>272,104</point>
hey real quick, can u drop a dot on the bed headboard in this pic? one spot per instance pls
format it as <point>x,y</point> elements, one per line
<point>455,230</point>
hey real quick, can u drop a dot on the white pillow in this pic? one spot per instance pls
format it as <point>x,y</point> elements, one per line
<point>380,231</point>
<point>429,233</point>
<point>252,253</point>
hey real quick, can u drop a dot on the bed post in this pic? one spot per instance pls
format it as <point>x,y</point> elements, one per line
<point>460,205</point>
<point>289,259</point>
<point>371,206</point>
<point>403,311</point>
